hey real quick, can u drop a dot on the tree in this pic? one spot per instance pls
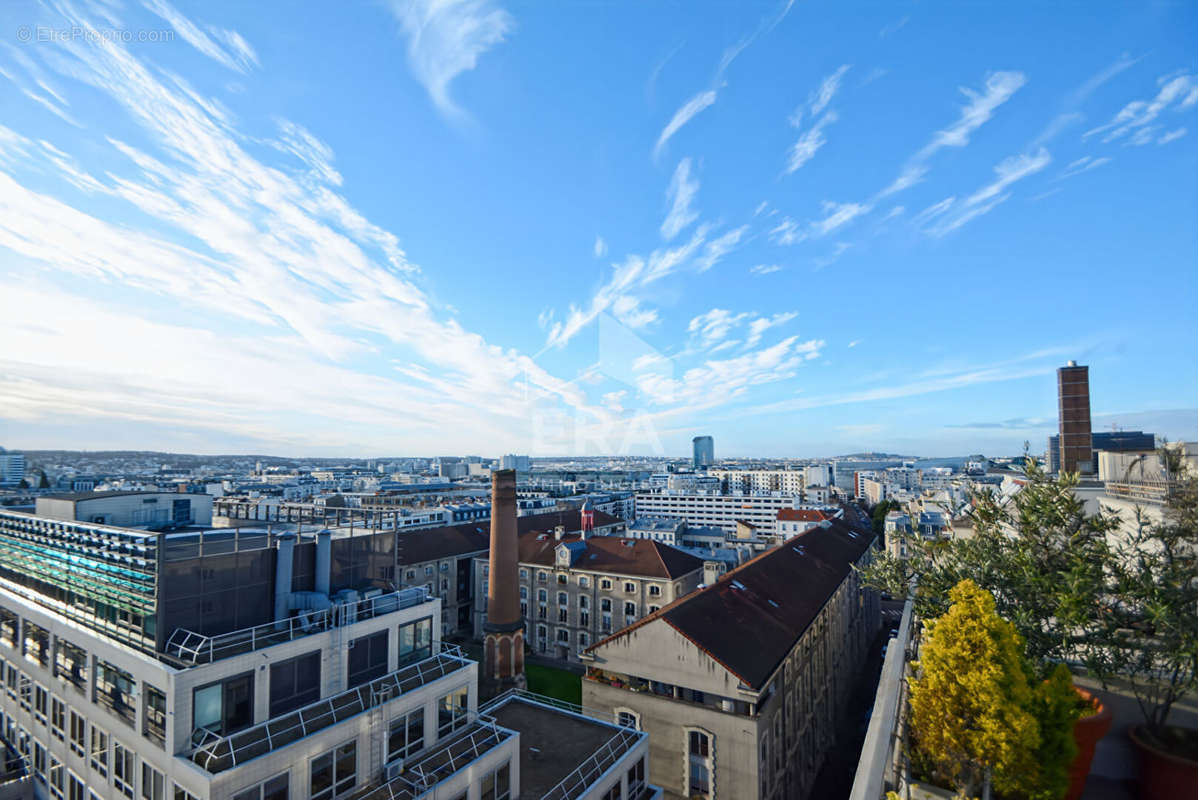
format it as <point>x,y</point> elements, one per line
<point>44,483</point>
<point>971,704</point>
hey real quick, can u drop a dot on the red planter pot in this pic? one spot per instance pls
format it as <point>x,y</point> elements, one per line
<point>1086,733</point>
<point>1163,776</point>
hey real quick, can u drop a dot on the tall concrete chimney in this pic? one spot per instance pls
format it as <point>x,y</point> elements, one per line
<point>503,646</point>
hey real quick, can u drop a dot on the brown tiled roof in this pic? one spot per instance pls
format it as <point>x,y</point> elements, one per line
<point>452,541</point>
<point>801,515</point>
<point>751,618</point>
<point>612,554</point>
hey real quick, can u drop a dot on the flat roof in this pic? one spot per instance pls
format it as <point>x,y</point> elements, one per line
<point>76,497</point>
<point>552,742</point>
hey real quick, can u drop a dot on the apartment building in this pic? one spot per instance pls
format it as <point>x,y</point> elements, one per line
<point>575,590</point>
<point>740,684</point>
<point>193,666</point>
<point>718,510</point>
<point>751,481</point>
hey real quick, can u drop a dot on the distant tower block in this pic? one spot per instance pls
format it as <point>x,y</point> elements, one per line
<point>704,451</point>
<point>1073,396</point>
<point>588,518</point>
<point>503,645</point>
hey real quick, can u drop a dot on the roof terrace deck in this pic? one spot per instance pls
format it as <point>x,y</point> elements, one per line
<point>192,648</point>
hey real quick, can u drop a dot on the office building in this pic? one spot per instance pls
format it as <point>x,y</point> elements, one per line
<point>719,510</point>
<point>148,510</point>
<point>761,481</point>
<point>1073,407</point>
<point>741,684</point>
<point>1105,441</point>
<point>239,666</point>
<point>12,467</point>
<point>704,451</point>
<point>518,463</point>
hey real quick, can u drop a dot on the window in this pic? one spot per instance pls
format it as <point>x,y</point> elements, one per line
<point>542,596</point>
<point>563,635</point>
<point>445,566</point>
<point>563,598</point>
<point>415,640</point>
<point>451,711</point>
<point>542,576</point>
<point>636,778</point>
<point>523,574</point>
<point>583,639</point>
<point>428,570</point>
<point>39,761</point>
<point>605,584</point>
<point>114,691</point>
<point>78,733</point>
<point>122,769</point>
<point>563,614</point>
<point>523,592</point>
<point>40,699</point>
<point>652,609</point>
<point>37,644</point>
<point>699,762</point>
<point>10,625</point>
<point>335,772</point>
<point>583,581</point>
<point>367,658</point>
<point>153,783</point>
<point>58,718</point>
<point>182,794</point>
<point>294,683</point>
<point>654,591</point>
<point>276,788</point>
<point>630,609</point>
<point>629,587</point>
<point>99,751</point>
<point>628,719</point>
<point>57,782</point>
<point>411,574</point>
<point>605,604</point>
<point>406,736</point>
<point>584,618</point>
<point>70,664</point>
<point>497,785</point>
<point>584,602</point>
<point>154,722</point>
<point>562,578</point>
<point>606,623</point>
<point>224,707</point>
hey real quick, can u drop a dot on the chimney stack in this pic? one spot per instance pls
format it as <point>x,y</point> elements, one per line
<point>503,646</point>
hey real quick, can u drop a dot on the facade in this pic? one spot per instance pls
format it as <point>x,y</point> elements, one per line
<point>138,689</point>
<point>740,685</point>
<point>762,481</point>
<point>793,521</point>
<point>704,452</point>
<point>1073,404</point>
<point>12,468</point>
<point>1103,442</point>
<point>817,475</point>
<point>574,590</point>
<point>667,530</point>
<point>518,463</point>
<point>720,510</point>
<point>151,510</point>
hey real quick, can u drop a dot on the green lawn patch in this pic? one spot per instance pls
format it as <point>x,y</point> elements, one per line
<point>556,683</point>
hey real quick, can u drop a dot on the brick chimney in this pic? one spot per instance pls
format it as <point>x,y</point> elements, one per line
<point>503,645</point>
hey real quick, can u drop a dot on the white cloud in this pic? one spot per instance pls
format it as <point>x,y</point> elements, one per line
<point>1180,92</point>
<point>713,326</point>
<point>715,250</point>
<point>854,343</point>
<point>600,248</point>
<point>1083,164</point>
<point>911,175</point>
<point>759,326</point>
<point>809,143</point>
<point>840,249</point>
<point>1010,170</point>
<point>827,90</point>
<point>837,215</point>
<point>1171,136</point>
<point>681,193</point>
<point>897,211</point>
<point>787,232</point>
<point>446,38</point>
<point>762,206</point>
<point>236,53</point>
<point>683,115</point>
<point>764,269</point>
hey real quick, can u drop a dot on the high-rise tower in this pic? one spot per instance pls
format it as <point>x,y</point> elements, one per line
<point>503,646</point>
<point>1073,405</point>
<point>704,447</point>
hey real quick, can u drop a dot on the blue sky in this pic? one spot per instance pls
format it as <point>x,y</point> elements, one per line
<point>482,226</point>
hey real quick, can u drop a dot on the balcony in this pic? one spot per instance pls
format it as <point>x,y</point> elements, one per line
<point>192,648</point>
<point>216,753</point>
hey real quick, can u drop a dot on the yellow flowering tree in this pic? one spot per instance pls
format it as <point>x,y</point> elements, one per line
<point>972,707</point>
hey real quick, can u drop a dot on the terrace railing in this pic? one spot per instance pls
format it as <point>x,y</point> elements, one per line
<point>193,648</point>
<point>216,753</point>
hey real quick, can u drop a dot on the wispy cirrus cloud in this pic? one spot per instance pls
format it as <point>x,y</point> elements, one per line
<point>1083,164</point>
<point>1178,92</point>
<point>764,269</point>
<point>814,138</point>
<point>681,193</point>
<point>446,38</point>
<point>1171,136</point>
<point>685,113</point>
<point>231,51</point>
<point>987,198</point>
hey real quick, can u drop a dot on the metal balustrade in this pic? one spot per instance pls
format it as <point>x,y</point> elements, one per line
<point>443,761</point>
<point>216,753</point>
<point>193,648</point>
<point>589,771</point>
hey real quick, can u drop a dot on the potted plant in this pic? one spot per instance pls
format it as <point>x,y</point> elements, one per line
<point>1151,637</point>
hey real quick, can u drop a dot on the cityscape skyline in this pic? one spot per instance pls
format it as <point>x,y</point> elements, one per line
<point>434,238</point>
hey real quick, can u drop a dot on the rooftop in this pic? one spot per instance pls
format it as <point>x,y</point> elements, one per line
<point>611,554</point>
<point>76,497</point>
<point>449,541</point>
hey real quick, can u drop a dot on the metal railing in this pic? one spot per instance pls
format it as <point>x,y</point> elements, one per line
<point>877,768</point>
<point>443,761</point>
<point>1149,491</point>
<point>216,753</point>
<point>546,700</point>
<point>193,648</point>
<point>582,777</point>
